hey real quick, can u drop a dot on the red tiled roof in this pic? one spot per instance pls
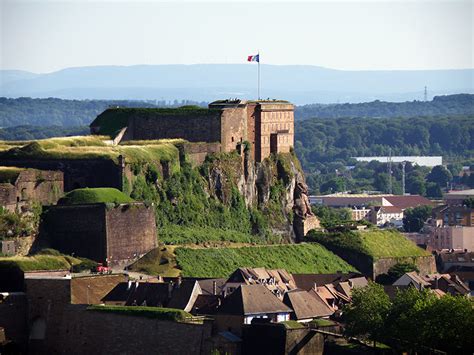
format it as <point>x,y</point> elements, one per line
<point>408,201</point>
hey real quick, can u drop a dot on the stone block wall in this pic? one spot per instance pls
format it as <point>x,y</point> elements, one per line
<point>78,173</point>
<point>233,127</point>
<point>13,317</point>
<point>119,234</point>
<point>78,229</point>
<point>276,339</point>
<point>58,327</point>
<point>130,232</point>
<point>193,128</point>
<point>75,330</point>
<point>196,152</point>
<point>426,264</point>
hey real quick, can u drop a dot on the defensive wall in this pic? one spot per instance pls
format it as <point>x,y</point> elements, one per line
<point>102,232</point>
<point>78,173</point>
<point>32,185</point>
<point>276,339</point>
<point>201,126</point>
<point>56,326</point>
<point>13,317</point>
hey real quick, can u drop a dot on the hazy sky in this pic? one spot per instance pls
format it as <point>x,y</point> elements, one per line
<point>44,36</point>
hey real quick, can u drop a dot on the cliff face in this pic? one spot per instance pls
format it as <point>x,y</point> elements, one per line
<point>276,187</point>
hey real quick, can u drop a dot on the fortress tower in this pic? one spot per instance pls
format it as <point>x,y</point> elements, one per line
<point>267,125</point>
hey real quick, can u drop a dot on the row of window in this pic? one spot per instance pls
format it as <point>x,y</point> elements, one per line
<point>281,139</point>
<point>271,127</point>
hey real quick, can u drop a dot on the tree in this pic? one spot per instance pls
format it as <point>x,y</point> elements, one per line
<point>433,190</point>
<point>366,314</point>
<point>415,218</point>
<point>439,175</point>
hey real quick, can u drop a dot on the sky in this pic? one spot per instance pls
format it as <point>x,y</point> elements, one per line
<point>45,36</point>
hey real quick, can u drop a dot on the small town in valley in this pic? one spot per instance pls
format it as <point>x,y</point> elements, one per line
<point>314,197</point>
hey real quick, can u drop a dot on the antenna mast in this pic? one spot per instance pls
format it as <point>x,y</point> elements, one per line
<point>390,170</point>
<point>426,94</point>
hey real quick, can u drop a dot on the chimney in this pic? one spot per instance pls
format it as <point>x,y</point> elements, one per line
<point>315,286</point>
<point>214,288</point>
<point>136,284</point>
<point>178,282</point>
<point>170,290</point>
<point>129,284</point>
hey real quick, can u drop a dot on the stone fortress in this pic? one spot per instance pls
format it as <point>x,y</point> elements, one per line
<point>267,125</point>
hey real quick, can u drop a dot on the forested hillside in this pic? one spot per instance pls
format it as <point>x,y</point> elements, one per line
<point>325,148</point>
<point>67,113</point>
<point>460,104</point>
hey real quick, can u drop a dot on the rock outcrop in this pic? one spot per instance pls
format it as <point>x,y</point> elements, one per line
<point>276,186</point>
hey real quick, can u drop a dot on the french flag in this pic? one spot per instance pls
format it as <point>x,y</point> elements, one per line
<point>253,58</point>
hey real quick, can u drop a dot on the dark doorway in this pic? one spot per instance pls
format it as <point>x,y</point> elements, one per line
<point>273,143</point>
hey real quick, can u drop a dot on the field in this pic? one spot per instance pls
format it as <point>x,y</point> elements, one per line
<point>221,262</point>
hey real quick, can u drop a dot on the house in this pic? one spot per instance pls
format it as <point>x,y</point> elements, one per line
<point>306,305</point>
<point>310,281</point>
<point>184,295</point>
<point>277,281</point>
<point>412,278</point>
<point>386,215</point>
<point>448,260</point>
<point>135,293</point>
<point>248,304</point>
<point>454,215</point>
<point>439,283</point>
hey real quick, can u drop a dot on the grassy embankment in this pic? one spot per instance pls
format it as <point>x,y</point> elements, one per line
<point>221,262</point>
<point>364,248</point>
<point>91,147</point>
<point>46,259</point>
<point>161,313</point>
<point>95,195</point>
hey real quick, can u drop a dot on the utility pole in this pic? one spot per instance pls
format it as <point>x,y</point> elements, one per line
<point>403,177</point>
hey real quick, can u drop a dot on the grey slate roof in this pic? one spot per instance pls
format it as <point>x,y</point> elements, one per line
<point>252,299</point>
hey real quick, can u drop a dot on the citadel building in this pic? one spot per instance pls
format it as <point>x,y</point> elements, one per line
<point>267,125</point>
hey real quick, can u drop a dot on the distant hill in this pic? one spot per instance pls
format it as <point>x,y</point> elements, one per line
<point>301,84</point>
<point>461,104</point>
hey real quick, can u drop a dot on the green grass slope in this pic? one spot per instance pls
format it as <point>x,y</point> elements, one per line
<point>374,244</point>
<point>95,195</point>
<point>383,244</point>
<point>295,258</point>
<point>38,262</point>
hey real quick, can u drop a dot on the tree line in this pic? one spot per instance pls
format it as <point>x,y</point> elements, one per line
<point>459,104</point>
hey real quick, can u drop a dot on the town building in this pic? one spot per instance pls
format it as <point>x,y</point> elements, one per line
<point>267,125</point>
<point>458,197</point>
<point>429,161</point>
<point>247,304</point>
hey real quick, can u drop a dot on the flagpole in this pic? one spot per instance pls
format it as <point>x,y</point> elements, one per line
<point>258,89</point>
